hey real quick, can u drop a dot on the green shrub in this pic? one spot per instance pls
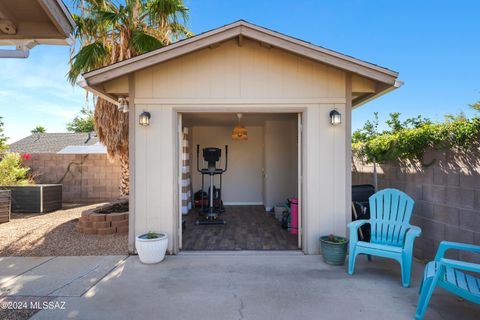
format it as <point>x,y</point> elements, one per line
<point>12,173</point>
<point>408,140</point>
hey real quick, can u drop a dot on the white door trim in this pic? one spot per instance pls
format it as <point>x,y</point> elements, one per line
<point>299,178</point>
<point>253,108</point>
<point>179,178</point>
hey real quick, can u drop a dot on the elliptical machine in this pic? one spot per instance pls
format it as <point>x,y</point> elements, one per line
<point>211,156</point>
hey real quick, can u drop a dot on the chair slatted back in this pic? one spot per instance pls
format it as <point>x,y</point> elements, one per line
<point>390,212</point>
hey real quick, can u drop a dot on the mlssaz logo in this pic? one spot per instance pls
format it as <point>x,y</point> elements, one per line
<point>48,305</point>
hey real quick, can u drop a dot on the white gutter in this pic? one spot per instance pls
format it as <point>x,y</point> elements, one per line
<point>84,84</point>
<point>22,51</point>
<point>396,85</point>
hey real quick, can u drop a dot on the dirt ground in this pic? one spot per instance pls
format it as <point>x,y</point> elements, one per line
<point>55,234</point>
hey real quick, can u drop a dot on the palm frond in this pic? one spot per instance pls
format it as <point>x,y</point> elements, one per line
<point>143,42</point>
<point>108,17</point>
<point>88,58</point>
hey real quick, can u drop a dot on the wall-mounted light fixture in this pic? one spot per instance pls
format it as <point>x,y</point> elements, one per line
<point>335,117</point>
<point>144,119</point>
<point>123,104</point>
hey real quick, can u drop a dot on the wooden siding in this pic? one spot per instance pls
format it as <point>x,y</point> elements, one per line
<point>4,206</point>
<point>247,72</point>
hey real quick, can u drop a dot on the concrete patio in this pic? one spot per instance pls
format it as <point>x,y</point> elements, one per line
<point>243,285</point>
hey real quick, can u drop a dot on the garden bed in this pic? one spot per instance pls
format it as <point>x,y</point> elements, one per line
<point>107,219</point>
<point>55,234</point>
<point>37,198</point>
<point>4,206</point>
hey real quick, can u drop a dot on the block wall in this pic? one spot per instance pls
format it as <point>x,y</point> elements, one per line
<point>447,197</point>
<point>85,177</point>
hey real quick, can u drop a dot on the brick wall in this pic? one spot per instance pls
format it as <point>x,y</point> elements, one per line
<point>85,178</point>
<point>446,193</point>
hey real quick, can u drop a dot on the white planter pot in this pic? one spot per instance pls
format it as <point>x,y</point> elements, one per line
<point>151,250</point>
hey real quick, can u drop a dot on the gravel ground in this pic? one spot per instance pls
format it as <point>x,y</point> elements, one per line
<point>24,312</point>
<point>55,234</point>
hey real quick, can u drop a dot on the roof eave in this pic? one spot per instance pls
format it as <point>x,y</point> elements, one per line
<point>248,30</point>
<point>83,83</point>
<point>369,97</point>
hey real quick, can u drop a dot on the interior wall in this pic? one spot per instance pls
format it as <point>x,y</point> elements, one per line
<point>242,183</point>
<point>281,161</point>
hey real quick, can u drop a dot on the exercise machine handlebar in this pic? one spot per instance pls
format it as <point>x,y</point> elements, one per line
<point>226,159</point>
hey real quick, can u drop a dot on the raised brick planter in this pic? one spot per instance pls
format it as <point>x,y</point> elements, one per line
<point>102,223</point>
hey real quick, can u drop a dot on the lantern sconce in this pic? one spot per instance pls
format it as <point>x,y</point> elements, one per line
<point>335,117</point>
<point>144,119</point>
<point>123,104</point>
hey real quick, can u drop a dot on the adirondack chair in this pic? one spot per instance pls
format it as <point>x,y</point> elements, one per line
<point>446,273</point>
<point>392,236</point>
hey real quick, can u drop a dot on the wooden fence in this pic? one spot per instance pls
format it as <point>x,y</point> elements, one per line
<point>4,206</point>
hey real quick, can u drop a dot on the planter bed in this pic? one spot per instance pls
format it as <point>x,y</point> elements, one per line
<point>38,198</point>
<point>107,219</point>
<point>4,206</point>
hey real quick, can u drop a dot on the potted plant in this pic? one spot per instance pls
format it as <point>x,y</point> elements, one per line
<point>334,249</point>
<point>151,247</point>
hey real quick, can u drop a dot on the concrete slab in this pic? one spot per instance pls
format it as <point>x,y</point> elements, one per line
<point>60,276</point>
<point>11,267</point>
<point>256,287</point>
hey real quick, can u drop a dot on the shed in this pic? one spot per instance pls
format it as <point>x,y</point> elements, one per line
<point>202,83</point>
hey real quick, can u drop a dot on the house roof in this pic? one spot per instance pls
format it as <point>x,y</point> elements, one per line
<point>35,22</point>
<point>52,142</point>
<point>242,29</point>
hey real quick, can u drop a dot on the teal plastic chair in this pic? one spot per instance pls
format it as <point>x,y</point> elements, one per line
<point>449,275</point>
<point>392,236</point>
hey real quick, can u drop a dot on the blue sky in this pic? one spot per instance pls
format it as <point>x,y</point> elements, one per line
<point>435,45</point>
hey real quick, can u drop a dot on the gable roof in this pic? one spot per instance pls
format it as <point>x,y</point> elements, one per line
<point>240,29</point>
<point>52,142</point>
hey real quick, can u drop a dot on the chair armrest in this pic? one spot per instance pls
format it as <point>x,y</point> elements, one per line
<point>353,227</point>
<point>412,233</point>
<point>446,245</point>
<point>462,265</point>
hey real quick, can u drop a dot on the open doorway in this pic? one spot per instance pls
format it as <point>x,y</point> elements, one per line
<point>250,202</point>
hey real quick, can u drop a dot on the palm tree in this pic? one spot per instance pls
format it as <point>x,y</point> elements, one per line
<point>38,129</point>
<point>109,32</point>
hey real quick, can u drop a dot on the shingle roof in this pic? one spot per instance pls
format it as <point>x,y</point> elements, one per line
<point>52,142</point>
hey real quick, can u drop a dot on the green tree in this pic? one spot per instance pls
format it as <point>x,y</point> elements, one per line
<point>475,106</point>
<point>110,31</point>
<point>12,173</point>
<point>368,131</point>
<point>84,122</point>
<point>38,129</point>
<point>3,139</point>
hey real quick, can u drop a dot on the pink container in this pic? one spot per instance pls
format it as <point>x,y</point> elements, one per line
<point>294,216</point>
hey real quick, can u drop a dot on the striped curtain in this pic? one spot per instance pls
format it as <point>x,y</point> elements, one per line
<point>186,178</point>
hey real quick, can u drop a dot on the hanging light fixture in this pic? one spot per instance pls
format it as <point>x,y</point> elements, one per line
<point>239,132</point>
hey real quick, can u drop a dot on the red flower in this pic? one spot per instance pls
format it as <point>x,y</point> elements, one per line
<point>25,156</point>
